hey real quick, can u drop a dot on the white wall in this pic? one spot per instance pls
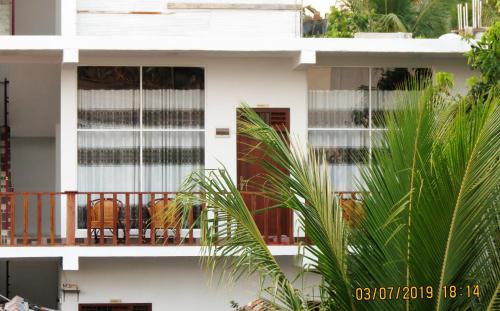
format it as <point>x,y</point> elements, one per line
<point>112,17</point>
<point>267,82</point>
<point>33,170</point>
<point>460,70</point>
<point>169,284</point>
<point>34,99</point>
<point>35,17</point>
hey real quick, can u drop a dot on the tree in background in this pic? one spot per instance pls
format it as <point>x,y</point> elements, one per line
<point>485,57</point>
<point>423,18</point>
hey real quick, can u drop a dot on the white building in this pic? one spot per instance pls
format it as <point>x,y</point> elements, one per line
<point>109,97</point>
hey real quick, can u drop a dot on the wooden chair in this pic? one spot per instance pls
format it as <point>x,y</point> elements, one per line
<point>95,215</point>
<point>352,209</point>
<point>158,219</point>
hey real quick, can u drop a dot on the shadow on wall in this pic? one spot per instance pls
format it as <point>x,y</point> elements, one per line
<point>33,170</point>
<point>35,280</point>
<point>36,17</point>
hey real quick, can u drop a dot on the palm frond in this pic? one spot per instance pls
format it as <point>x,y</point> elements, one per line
<point>232,241</point>
<point>305,187</point>
<point>473,168</point>
<point>433,17</point>
<point>390,22</point>
<point>432,209</point>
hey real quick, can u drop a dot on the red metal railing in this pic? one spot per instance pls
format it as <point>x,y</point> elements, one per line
<point>124,218</point>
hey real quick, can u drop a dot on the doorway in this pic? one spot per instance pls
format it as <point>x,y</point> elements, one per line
<point>274,224</point>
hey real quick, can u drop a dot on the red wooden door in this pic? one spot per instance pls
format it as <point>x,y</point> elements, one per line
<point>275,224</point>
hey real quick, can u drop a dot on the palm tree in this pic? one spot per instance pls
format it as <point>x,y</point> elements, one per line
<point>424,18</point>
<point>431,218</point>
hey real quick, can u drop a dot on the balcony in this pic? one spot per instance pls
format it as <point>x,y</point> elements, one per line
<point>122,219</point>
<point>112,219</point>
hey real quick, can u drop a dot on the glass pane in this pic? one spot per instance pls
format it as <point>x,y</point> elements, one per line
<point>107,162</point>
<point>169,157</point>
<point>173,97</point>
<point>343,150</point>
<point>387,84</point>
<point>338,97</point>
<point>108,97</point>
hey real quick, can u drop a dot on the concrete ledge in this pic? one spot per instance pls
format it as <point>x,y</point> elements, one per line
<point>71,255</point>
<point>232,6</point>
<point>46,44</point>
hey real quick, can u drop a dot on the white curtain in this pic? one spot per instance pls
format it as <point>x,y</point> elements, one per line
<point>108,161</point>
<point>109,155</point>
<point>166,108</point>
<point>343,149</point>
<point>338,108</point>
<point>169,157</point>
<point>108,109</point>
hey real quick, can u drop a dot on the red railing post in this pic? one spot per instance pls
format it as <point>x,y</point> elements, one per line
<point>152,219</point>
<point>127,219</point>
<point>266,220</point>
<point>52,218</point>
<point>139,226</point>
<point>101,218</point>
<point>115,219</point>
<point>26,220</point>
<point>39,218</point>
<point>165,227</point>
<point>190,224</point>
<point>88,212</point>
<point>12,219</point>
<point>70,217</point>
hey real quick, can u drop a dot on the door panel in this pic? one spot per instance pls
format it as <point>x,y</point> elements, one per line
<point>275,224</point>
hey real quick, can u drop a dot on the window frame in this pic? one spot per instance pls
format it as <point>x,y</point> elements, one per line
<point>141,129</point>
<point>371,129</point>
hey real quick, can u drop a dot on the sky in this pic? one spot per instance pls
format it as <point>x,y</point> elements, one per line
<point>321,5</point>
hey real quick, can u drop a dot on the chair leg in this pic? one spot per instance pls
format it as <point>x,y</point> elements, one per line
<point>96,240</point>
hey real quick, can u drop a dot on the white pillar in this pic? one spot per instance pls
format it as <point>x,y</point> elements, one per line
<point>68,156</point>
<point>68,17</point>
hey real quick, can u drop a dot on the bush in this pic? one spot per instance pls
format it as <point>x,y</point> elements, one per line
<point>343,23</point>
<point>485,57</point>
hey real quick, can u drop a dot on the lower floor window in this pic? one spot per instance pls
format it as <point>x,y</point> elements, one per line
<point>116,307</point>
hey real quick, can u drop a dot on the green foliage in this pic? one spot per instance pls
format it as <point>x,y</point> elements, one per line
<point>343,23</point>
<point>485,57</point>
<point>491,12</point>
<point>431,209</point>
<point>425,18</point>
<point>444,82</point>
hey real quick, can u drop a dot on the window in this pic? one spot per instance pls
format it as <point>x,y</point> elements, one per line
<point>115,307</point>
<point>139,128</point>
<point>346,107</point>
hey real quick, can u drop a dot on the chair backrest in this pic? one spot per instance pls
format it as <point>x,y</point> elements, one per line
<point>158,214</point>
<point>108,209</point>
<point>352,209</point>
